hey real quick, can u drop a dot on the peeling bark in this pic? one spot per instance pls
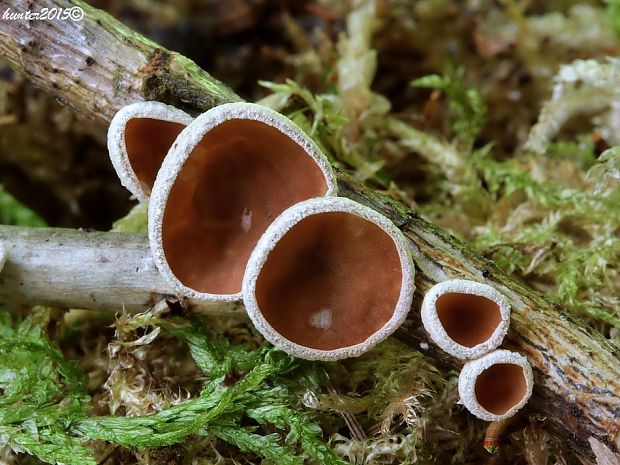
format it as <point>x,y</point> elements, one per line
<point>97,65</point>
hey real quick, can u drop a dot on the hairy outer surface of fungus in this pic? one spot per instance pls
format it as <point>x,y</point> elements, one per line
<point>465,318</point>
<point>497,385</point>
<point>228,176</point>
<point>329,279</point>
<point>139,138</point>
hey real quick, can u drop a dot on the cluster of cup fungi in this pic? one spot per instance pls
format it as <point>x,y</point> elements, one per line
<point>242,204</point>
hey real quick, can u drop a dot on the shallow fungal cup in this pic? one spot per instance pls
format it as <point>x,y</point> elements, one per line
<point>139,138</point>
<point>227,176</point>
<point>469,320</point>
<point>329,279</point>
<point>465,318</point>
<point>495,386</point>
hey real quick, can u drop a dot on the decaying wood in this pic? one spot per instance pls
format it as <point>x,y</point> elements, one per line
<point>97,65</point>
<point>69,268</point>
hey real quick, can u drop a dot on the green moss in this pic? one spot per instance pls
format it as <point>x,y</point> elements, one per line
<point>613,15</point>
<point>13,212</point>
<point>135,221</point>
<point>44,406</point>
<point>166,79</point>
<point>42,395</point>
<point>468,110</point>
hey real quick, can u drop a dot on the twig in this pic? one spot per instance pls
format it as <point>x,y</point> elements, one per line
<point>68,268</point>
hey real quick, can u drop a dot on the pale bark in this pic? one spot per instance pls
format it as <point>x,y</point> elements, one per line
<point>68,268</point>
<point>98,65</point>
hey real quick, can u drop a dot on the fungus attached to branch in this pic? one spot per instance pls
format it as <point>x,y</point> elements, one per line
<point>465,318</point>
<point>329,279</point>
<point>139,138</point>
<point>495,386</point>
<point>229,174</point>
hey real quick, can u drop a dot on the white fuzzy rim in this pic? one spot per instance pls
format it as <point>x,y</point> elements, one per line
<point>473,369</point>
<point>278,229</point>
<point>2,256</point>
<point>187,140</point>
<point>116,138</point>
<point>436,331</point>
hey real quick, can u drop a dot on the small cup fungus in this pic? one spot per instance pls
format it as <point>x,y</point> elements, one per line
<point>139,138</point>
<point>465,318</point>
<point>497,385</point>
<point>229,174</point>
<point>329,279</point>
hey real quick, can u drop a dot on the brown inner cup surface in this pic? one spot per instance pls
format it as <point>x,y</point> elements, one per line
<point>332,281</point>
<point>236,181</point>
<point>468,319</point>
<point>501,387</point>
<point>147,142</point>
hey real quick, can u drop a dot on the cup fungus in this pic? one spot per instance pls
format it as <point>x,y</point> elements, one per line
<point>139,138</point>
<point>329,279</point>
<point>497,385</point>
<point>229,174</point>
<point>465,318</point>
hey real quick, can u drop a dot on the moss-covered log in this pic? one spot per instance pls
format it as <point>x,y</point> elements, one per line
<point>97,65</point>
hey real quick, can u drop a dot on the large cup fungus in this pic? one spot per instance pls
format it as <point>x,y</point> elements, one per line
<point>139,138</point>
<point>497,385</point>
<point>329,279</point>
<point>465,318</point>
<point>228,175</point>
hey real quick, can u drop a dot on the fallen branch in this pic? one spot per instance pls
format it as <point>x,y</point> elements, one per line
<point>105,65</point>
<point>68,268</point>
<point>97,65</point>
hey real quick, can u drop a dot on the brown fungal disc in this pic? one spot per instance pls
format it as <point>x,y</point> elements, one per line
<point>467,318</point>
<point>331,282</point>
<point>239,177</point>
<point>500,387</point>
<point>147,141</point>
<point>495,386</point>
